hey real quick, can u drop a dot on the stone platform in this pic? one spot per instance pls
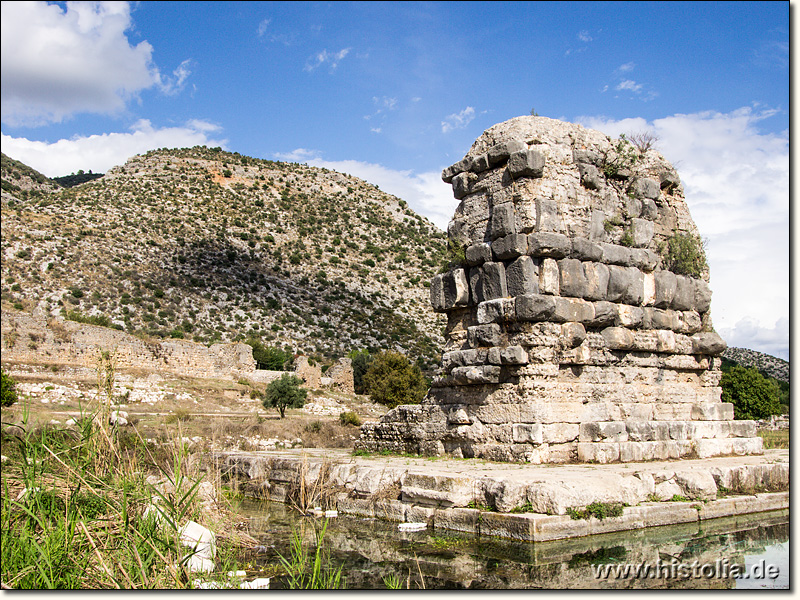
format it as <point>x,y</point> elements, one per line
<point>518,501</point>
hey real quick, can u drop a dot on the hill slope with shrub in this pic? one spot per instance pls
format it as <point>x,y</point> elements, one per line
<point>213,246</point>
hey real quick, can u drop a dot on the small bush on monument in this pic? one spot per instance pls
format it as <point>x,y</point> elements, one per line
<point>392,380</point>
<point>285,393</point>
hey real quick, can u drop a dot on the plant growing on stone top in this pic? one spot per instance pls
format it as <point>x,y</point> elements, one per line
<point>684,254</point>
<point>284,393</point>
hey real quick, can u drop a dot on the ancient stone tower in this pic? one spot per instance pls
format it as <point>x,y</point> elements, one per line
<point>572,334</point>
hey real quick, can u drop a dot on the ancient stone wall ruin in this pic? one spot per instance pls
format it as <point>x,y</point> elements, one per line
<point>570,337</point>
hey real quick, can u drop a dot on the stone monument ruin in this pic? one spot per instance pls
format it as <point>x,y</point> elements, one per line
<point>573,333</point>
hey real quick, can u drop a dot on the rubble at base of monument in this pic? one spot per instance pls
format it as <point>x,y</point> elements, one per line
<point>568,339</point>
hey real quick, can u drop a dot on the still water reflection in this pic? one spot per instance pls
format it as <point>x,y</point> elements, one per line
<point>371,551</point>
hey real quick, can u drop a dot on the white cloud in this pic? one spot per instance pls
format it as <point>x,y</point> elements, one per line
<point>321,58</point>
<point>57,62</point>
<point>262,26</point>
<point>101,152</point>
<point>425,193</point>
<point>736,180</point>
<point>172,86</point>
<point>584,36</point>
<point>629,85</point>
<point>458,120</point>
<point>626,67</point>
<point>297,155</point>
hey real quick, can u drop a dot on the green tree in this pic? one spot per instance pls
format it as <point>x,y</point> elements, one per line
<point>361,362</point>
<point>269,357</point>
<point>392,380</point>
<point>753,395</point>
<point>285,393</point>
<point>9,390</point>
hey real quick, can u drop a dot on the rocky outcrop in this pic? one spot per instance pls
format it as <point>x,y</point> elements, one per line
<point>570,335</point>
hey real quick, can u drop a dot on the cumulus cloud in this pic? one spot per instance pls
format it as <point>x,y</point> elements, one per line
<point>330,58</point>
<point>584,36</point>
<point>425,193</point>
<point>458,120</point>
<point>57,62</point>
<point>736,179</point>
<point>626,67</point>
<point>101,152</point>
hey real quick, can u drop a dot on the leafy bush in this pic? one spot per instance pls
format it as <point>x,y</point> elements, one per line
<point>269,357</point>
<point>9,391</point>
<point>392,380</point>
<point>101,320</point>
<point>684,254</point>
<point>349,418</point>
<point>753,396</point>
<point>361,360</point>
<point>284,393</point>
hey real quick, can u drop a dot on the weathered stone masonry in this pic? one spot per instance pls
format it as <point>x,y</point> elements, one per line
<point>567,340</point>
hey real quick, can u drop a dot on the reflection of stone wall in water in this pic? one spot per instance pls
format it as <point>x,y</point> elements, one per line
<point>568,339</point>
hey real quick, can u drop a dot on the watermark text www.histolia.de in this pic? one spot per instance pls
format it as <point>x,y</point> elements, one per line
<point>722,568</point>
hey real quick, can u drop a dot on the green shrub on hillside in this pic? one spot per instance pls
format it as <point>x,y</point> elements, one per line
<point>9,391</point>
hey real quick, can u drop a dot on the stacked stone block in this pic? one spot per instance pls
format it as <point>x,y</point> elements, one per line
<point>567,340</point>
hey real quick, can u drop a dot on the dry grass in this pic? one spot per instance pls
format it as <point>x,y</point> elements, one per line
<point>778,439</point>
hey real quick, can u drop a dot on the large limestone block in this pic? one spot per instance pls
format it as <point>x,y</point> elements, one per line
<point>573,310</point>
<point>535,307</point>
<point>585,250</point>
<point>499,153</point>
<point>528,433</point>
<point>547,219</point>
<point>598,452</point>
<point>456,288</point>
<point>666,284</point>
<point>708,343</point>
<point>438,490</point>
<point>625,285</point>
<point>684,298</point>
<point>549,277</point>
<point>522,277</point>
<point>510,246</point>
<point>500,310</point>
<point>484,335</point>
<point>642,232</point>
<point>437,293</point>
<point>596,277</point>
<point>551,245</point>
<point>697,484</point>
<point>477,254</point>
<point>462,184</point>
<point>526,163</point>
<point>502,221</point>
<point>572,280</point>
<point>560,433</point>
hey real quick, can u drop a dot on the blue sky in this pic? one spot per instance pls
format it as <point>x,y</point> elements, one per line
<point>394,92</point>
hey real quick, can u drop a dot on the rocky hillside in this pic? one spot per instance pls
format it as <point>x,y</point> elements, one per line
<point>766,363</point>
<point>214,246</point>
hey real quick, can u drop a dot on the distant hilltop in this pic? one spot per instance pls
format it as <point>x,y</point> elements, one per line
<point>771,365</point>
